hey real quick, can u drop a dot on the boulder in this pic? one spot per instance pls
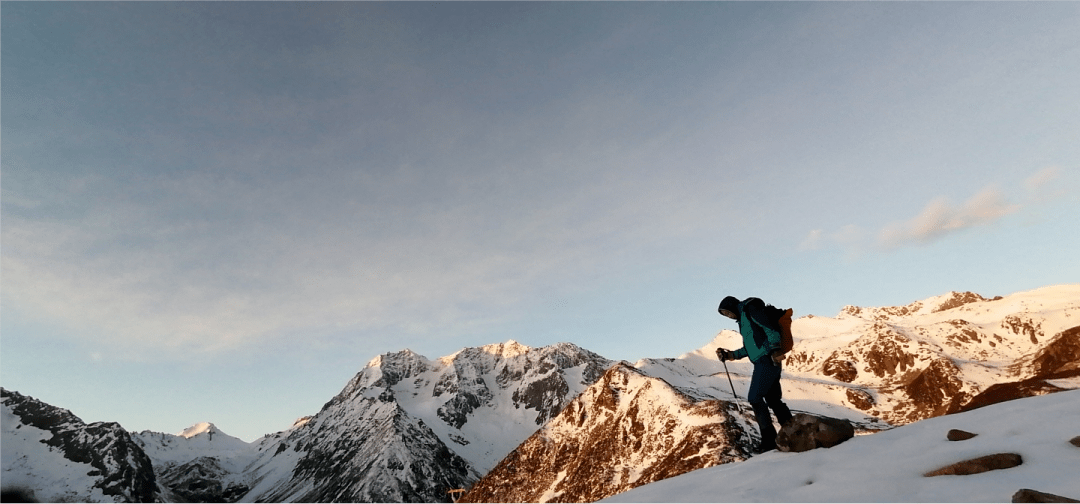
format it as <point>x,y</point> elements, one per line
<point>806,432</point>
<point>959,435</point>
<point>979,465</point>
<point>1029,495</point>
<point>1075,441</point>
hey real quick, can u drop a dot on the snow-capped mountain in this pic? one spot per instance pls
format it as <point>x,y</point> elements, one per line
<point>51,455</point>
<point>200,463</point>
<point>408,428</point>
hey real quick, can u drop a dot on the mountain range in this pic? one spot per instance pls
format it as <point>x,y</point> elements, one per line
<point>507,422</point>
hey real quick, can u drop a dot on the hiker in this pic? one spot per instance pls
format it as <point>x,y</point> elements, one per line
<point>761,343</point>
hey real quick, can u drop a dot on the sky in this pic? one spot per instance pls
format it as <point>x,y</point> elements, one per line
<point>222,211</point>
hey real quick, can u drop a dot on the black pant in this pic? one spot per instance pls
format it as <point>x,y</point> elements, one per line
<point>764,394</point>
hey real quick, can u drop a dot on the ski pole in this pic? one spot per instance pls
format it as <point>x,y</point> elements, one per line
<point>732,388</point>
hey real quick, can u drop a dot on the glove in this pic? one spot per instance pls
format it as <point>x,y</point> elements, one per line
<point>777,357</point>
<point>724,355</point>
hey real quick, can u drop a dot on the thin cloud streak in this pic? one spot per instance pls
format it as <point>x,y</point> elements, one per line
<point>939,219</point>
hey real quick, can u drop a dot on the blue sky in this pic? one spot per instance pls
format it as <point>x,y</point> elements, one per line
<point>221,211</point>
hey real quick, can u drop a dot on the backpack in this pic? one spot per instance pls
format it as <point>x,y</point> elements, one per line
<point>780,321</point>
<point>784,321</point>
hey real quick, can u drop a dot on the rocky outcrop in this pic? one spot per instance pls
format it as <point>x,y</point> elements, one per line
<point>626,430</point>
<point>806,432</point>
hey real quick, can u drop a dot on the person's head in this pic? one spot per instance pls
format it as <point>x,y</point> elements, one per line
<point>729,307</point>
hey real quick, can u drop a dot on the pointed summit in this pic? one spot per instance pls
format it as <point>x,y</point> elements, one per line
<point>199,428</point>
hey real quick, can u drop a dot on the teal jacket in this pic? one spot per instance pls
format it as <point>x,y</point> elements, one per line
<point>759,339</point>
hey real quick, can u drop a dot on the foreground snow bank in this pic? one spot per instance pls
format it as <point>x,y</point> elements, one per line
<point>889,466</point>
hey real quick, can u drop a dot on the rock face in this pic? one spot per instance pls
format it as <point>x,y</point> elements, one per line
<point>201,480</point>
<point>626,430</point>
<point>806,432</point>
<point>114,466</point>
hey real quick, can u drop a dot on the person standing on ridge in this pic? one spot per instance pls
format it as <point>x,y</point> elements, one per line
<point>761,343</point>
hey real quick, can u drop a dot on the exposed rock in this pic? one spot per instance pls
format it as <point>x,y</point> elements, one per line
<point>201,480</point>
<point>1024,325</point>
<point>843,370</point>
<point>934,391</point>
<point>1029,495</point>
<point>860,399</point>
<point>1060,355</point>
<point>957,299</point>
<point>959,435</point>
<point>979,465</point>
<point>806,432</point>
<point>1001,392</point>
<point>1075,441</point>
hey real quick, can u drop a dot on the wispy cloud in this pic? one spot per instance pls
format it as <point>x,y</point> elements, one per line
<point>940,218</point>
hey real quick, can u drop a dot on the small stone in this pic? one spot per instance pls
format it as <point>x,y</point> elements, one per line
<point>1029,495</point>
<point>959,435</point>
<point>979,465</point>
<point>1075,441</point>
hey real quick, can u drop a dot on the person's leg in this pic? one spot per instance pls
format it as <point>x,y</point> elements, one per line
<point>766,377</point>
<point>774,398</point>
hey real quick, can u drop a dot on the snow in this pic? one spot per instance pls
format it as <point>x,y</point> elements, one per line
<point>889,466</point>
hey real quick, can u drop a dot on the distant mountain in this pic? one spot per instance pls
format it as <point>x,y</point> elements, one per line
<point>199,464</point>
<point>560,423</point>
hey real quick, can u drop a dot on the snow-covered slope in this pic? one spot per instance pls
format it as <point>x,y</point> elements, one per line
<point>889,466</point>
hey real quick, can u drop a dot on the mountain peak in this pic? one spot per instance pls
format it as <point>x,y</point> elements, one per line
<point>199,428</point>
<point>506,350</point>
